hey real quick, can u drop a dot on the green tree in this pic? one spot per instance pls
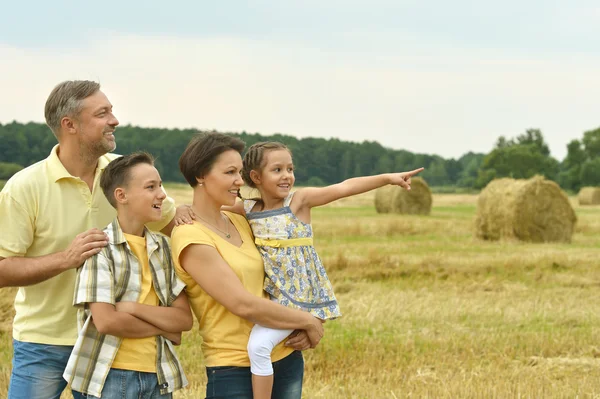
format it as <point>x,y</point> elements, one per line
<point>591,143</point>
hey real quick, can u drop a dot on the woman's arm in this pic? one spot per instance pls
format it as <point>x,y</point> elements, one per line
<point>316,196</point>
<point>174,318</point>
<point>206,266</point>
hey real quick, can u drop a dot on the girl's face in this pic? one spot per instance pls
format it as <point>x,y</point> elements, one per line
<point>276,178</point>
<point>222,183</point>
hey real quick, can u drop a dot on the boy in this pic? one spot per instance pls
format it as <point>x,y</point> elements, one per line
<point>131,304</point>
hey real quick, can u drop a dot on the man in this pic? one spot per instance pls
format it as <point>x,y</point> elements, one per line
<point>50,216</point>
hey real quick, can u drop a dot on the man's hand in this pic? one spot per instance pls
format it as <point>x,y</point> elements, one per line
<point>184,214</point>
<point>85,245</point>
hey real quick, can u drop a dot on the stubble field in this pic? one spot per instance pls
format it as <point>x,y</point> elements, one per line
<point>431,312</point>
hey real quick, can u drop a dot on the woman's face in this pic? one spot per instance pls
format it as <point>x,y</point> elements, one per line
<point>222,183</point>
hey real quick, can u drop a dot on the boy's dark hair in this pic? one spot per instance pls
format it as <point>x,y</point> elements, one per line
<point>202,151</point>
<point>118,171</point>
<point>254,158</point>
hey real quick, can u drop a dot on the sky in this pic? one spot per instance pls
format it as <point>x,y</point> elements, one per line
<point>434,77</point>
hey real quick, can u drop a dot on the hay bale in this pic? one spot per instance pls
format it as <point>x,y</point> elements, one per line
<point>532,210</point>
<point>589,196</point>
<point>7,308</point>
<point>395,199</point>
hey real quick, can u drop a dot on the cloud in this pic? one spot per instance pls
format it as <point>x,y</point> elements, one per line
<point>446,101</point>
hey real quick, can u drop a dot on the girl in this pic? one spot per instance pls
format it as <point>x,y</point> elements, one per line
<point>280,222</point>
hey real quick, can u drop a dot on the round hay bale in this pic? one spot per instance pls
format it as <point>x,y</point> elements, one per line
<point>589,196</point>
<point>532,210</point>
<point>383,199</point>
<point>7,307</point>
<point>395,199</point>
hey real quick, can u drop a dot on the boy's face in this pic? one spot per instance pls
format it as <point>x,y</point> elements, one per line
<point>144,194</point>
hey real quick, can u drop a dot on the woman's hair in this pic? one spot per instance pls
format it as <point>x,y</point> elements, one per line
<point>254,158</point>
<point>202,151</point>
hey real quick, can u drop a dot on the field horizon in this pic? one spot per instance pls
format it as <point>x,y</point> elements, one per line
<point>432,312</point>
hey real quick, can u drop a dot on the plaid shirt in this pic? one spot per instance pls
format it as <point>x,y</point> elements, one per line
<point>111,276</point>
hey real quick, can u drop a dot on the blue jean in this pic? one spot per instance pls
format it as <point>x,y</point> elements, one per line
<point>37,371</point>
<point>128,384</point>
<point>229,382</point>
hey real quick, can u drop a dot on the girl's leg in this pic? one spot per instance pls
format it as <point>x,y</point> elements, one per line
<point>260,345</point>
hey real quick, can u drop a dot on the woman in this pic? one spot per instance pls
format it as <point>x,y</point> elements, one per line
<point>217,259</point>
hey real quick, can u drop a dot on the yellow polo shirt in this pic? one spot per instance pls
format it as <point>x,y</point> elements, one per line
<point>42,209</point>
<point>224,335</point>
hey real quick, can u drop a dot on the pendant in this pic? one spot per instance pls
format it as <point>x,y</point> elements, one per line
<point>228,235</point>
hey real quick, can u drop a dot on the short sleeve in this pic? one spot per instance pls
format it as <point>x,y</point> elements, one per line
<point>188,234</point>
<point>95,282</point>
<point>16,225</point>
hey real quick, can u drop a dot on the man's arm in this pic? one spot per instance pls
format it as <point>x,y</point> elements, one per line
<point>174,318</point>
<point>20,271</point>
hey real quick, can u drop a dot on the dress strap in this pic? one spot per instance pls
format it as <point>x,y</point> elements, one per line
<point>248,205</point>
<point>288,199</point>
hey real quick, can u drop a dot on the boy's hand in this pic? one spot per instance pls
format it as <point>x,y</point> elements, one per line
<point>126,307</point>
<point>175,338</point>
<point>184,215</point>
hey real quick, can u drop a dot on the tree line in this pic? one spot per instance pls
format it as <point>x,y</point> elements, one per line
<point>325,161</point>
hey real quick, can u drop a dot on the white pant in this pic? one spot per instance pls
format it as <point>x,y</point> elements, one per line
<point>260,345</point>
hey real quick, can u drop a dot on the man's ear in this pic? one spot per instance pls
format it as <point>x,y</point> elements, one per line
<point>255,177</point>
<point>68,125</point>
<point>120,195</point>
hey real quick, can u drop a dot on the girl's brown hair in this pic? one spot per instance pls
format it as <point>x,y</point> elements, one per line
<point>254,158</point>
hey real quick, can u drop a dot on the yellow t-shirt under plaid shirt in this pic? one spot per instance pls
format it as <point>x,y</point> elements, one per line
<point>139,354</point>
<point>111,276</point>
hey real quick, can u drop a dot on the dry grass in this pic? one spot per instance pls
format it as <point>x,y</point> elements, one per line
<point>431,312</point>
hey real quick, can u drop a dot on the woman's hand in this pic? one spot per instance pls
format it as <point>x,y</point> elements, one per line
<point>298,340</point>
<point>315,332</point>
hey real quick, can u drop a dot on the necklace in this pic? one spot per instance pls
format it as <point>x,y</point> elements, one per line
<point>226,233</point>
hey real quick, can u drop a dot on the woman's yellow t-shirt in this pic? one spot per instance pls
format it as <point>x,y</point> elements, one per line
<point>225,335</point>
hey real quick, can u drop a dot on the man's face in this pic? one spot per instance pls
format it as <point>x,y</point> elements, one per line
<point>96,124</point>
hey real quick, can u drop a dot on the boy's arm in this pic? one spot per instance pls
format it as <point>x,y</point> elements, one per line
<point>120,324</point>
<point>317,196</point>
<point>175,318</point>
<point>94,287</point>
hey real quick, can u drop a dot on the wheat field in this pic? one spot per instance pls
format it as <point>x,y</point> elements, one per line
<point>432,312</point>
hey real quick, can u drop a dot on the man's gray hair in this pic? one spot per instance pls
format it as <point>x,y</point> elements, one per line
<point>66,99</point>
